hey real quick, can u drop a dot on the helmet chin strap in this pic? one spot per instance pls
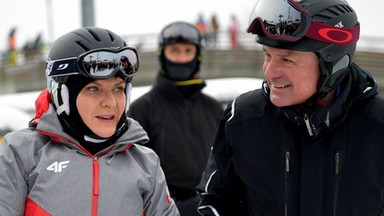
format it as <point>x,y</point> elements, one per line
<point>128,90</point>
<point>60,98</point>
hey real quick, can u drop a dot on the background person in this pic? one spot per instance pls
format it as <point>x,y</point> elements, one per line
<point>213,32</point>
<point>180,120</point>
<point>310,141</point>
<point>202,26</point>
<point>234,30</point>
<point>80,154</point>
<point>12,52</point>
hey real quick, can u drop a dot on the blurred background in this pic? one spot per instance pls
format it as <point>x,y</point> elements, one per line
<point>30,26</point>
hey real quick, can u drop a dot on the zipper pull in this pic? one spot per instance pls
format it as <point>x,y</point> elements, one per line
<point>308,124</point>
<point>337,163</point>
<point>287,157</point>
<point>286,182</point>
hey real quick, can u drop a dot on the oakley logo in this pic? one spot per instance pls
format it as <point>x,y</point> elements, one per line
<point>339,25</point>
<point>337,36</point>
<point>62,66</point>
<point>57,166</point>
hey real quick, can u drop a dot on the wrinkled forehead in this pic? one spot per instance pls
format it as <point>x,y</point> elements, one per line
<point>287,52</point>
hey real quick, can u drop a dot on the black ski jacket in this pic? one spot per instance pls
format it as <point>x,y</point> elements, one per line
<point>181,131</point>
<point>290,162</point>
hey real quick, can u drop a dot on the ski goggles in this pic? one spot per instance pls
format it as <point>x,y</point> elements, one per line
<point>287,21</point>
<point>180,32</point>
<point>97,64</point>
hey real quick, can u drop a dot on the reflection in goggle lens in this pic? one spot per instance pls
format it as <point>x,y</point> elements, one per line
<point>104,63</point>
<point>285,22</point>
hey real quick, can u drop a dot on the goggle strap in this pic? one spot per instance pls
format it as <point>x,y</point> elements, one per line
<point>60,67</point>
<point>331,34</point>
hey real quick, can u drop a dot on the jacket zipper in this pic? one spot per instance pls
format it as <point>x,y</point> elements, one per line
<point>286,182</point>
<point>308,124</point>
<point>95,185</point>
<point>336,184</point>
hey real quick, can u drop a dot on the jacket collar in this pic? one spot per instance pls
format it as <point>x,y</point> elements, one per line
<point>358,85</point>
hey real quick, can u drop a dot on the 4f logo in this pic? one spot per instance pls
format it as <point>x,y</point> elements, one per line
<point>57,166</point>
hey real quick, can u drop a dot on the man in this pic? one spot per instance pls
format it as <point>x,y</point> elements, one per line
<point>180,120</point>
<point>311,140</point>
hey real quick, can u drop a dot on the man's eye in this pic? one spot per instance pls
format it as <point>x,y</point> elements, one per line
<point>288,60</point>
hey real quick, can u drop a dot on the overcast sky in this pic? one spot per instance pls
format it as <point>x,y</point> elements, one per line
<point>141,16</point>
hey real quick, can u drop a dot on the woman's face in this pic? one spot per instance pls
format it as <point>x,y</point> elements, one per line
<point>101,104</point>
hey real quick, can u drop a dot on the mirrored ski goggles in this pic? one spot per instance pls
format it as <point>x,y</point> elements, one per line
<point>180,32</point>
<point>286,20</point>
<point>97,64</point>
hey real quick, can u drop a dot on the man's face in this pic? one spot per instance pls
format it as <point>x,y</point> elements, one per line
<point>292,76</point>
<point>180,52</point>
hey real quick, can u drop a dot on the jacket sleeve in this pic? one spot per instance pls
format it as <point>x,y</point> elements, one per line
<point>219,188</point>
<point>13,185</point>
<point>159,201</point>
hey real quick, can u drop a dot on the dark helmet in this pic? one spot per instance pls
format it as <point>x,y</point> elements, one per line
<point>326,41</point>
<point>66,76</point>
<point>77,42</point>
<point>71,46</point>
<point>82,40</point>
<point>177,32</point>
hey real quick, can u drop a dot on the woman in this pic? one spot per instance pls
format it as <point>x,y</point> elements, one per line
<point>79,155</point>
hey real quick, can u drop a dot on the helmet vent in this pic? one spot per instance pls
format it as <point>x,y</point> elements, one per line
<point>82,45</point>
<point>94,35</point>
<point>332,12</point>
<point>111,37</point>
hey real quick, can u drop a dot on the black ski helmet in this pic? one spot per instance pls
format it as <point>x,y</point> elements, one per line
<point>70,67</point>
<point>334,57</point>
<point>71,46</point>
<point>82,40</point>
<point>180,31</point>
